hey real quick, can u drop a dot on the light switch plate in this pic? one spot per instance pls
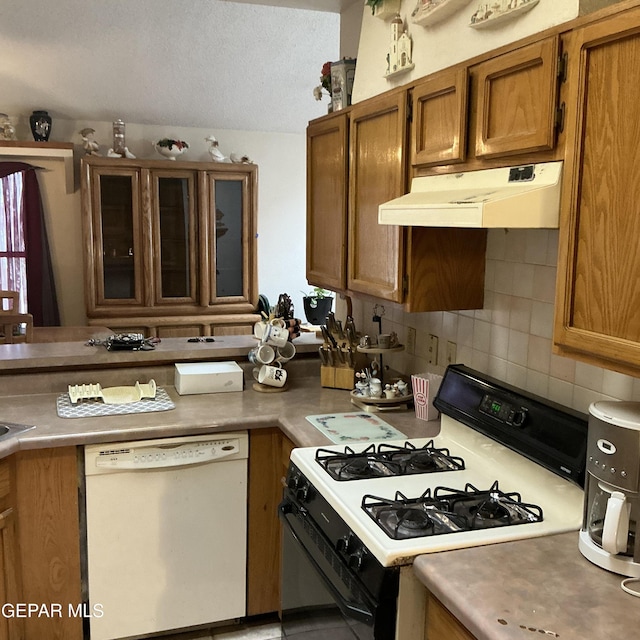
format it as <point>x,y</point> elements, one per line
<point>432,350</point>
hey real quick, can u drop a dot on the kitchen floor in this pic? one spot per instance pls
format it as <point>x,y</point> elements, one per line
<point>333,626</point>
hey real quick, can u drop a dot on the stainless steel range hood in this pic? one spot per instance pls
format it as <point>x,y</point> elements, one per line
<point>513,197</point>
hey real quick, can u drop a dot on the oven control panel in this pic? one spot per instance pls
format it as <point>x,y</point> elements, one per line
<point>503,411</point>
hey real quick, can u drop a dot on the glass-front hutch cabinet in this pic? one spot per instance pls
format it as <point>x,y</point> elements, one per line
<point>170,247</point>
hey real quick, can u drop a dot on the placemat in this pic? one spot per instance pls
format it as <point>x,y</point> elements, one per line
<point>354,427</point>
<point>95,407</point>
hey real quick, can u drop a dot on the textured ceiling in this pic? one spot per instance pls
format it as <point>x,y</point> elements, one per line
<point>202,63</point>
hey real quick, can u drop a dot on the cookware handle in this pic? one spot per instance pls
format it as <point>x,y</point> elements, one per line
<point>616,524</point>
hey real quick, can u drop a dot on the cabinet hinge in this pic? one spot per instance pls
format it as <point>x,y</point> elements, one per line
<point>409,109</point>
<point>563,63</point>
<point>560,117</point>
<point>405,284</point>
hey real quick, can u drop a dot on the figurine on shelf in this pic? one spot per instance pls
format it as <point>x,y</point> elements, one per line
<point>91,147</point>
<point>399,57</point>
<point>214,150</point>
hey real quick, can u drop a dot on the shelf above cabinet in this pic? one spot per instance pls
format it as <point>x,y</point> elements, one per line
<point>45,150</point>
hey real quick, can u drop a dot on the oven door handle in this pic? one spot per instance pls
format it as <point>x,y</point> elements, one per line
<point>352,609</point>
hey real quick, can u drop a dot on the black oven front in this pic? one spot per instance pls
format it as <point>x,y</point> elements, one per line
<point>329,579</point>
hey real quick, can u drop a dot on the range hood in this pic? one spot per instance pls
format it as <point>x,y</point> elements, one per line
<point>513,197</point>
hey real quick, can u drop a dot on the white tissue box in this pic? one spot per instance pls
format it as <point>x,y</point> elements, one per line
<point>207,377</point>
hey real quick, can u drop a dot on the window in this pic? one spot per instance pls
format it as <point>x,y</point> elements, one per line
<point>13,257</point>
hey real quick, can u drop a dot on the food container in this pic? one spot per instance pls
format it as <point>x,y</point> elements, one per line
<point>207,377</point>
<point>425,387</point>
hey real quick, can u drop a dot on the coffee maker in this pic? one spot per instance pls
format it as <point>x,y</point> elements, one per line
<point>612,488</point>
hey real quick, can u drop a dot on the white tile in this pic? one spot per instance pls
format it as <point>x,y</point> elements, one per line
<point>501,309</point>
<point>499,345</point>
<point>537,246</point>
<point>486,312</point>
<point>516,375</point>
<point>465,331</point>
<point>503,281</point>
<point>539,355</point>
<point>541,319</point>
<point>583,397</point>
<point>589,377</point>
<point>497,367</point>
<point>562,368</point>
<point>480,361</point>
<point>497,243</point>
<point>617,385</point>
<point>489,274</point>
<point>552,248</point>
<point>481,336</point>
<point>560,392</point>
<point>520,315</point>
<point>537,383</point>
<point>464,355</point>
<point>516,244</point>
<point>544,283</point>
<point>518,347</point>
<point>523,279</point>
<point>450,326</point>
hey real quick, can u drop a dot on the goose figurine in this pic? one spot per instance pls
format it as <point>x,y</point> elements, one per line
<point>214,150</point>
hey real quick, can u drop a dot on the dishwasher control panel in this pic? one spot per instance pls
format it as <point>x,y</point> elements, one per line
<point>167,452</point>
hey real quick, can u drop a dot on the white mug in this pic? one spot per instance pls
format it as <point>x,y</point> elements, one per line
<point>275,336</point>
<point>285,352</point>
<point>260,327</point>
<point>271,375</point>
<point>262,354</point>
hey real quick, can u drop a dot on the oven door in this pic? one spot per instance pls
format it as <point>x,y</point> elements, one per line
<point>319,591</point>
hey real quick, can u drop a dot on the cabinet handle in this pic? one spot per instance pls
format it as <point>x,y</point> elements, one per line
<point>5,517</point>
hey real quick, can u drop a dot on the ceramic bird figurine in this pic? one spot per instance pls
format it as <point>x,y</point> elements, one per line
<point>240,159</point>
<point>214,150</point>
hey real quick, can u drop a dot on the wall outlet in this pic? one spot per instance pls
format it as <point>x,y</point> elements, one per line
<point>432,350</point>
<point>451,352</point>
<point>411,340</point>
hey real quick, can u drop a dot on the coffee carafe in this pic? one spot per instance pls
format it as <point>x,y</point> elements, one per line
<point>612,501</point>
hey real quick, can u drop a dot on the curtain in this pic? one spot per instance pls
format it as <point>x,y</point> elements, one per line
<point>31,229</point>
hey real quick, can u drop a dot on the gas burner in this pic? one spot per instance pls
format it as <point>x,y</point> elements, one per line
<point>387,460</point>
<point>448,511</point>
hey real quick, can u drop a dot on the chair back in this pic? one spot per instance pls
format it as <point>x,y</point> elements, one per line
<point>14,326</point>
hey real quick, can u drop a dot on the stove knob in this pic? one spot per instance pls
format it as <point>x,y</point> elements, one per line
<point>302,491</point>
<point>347,543</point>
<point>355,559</point>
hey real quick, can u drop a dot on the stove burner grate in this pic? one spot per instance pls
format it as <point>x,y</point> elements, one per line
<point>387,460</point>
<point>448,510</point>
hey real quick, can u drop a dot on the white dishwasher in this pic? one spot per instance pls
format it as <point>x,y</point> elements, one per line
<point>166,533</point>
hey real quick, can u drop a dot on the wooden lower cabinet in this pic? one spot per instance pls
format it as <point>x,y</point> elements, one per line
<point>269,452</point>
<point>11,628</point>
<point>441,623</point>
<point>48,537</point>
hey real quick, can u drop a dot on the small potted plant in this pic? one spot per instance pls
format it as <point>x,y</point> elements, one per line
<point>317,305</point>
<point>384,8</point>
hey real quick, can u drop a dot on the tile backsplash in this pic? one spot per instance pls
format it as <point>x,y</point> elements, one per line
<point>511,337</point>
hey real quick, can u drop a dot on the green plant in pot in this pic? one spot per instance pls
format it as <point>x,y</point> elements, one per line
<point>317,305</point>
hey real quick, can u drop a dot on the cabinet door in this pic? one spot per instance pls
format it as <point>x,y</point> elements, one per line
<point>377,173</point>
<point>175,232</point>
<point>327,182</point>
<point>439,127</point>
<point>598,292</point>
<point>442,625</point>
<point>516,101</point>
<point>230,270</point>
<point>114,239</point>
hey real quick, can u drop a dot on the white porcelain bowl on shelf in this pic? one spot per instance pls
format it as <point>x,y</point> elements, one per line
<point>169,148</point>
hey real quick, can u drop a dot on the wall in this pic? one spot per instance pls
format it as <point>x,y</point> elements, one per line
<point>511,337</point>
<point>178,70</point>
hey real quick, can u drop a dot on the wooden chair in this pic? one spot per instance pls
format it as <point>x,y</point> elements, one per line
<point>12,322</point>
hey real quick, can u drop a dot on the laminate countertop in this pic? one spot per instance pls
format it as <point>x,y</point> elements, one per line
<point>541,587</point>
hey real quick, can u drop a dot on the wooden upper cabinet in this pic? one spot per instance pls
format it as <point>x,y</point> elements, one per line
<point>165,238</point>
<point>598,287</point>
<point>516,101</point>
<point>327,183</point>
<point>439,127</point>
<point>377,173</point>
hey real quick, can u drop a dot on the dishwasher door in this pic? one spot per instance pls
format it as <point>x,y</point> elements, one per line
<point>166,533</point>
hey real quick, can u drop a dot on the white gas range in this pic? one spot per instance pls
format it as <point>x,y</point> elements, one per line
<point>505,466</point>
<point>485,462</point>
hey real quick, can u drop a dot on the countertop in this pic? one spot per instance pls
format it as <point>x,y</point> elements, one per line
<point>542,585</point>
<point>195,414</point>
